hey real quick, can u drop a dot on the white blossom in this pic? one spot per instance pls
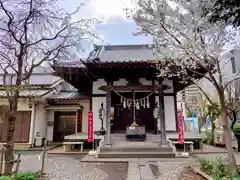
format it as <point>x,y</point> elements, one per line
<point>182,34</point>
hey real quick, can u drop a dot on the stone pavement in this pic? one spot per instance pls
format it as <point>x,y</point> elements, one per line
<point>70,167</point>
<point>156,170</point>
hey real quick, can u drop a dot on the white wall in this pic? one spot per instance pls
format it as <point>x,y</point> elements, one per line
<point>22,104</point>
<point>96,104</point>
<point>97,84</point>
<point>40,121</point>
<point>50,118</point>
<point>170,114</point>
<point>86,108</point>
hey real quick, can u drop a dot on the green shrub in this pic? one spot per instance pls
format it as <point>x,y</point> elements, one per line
<point>217,169</point>
<point>207,137</point>
<point>206,165</point>
<point>21,176</point>
<point>236,128</point>
<point>204,140</point>
<point>26,176</point>
<point>220,169</point>
<point>5,178</point>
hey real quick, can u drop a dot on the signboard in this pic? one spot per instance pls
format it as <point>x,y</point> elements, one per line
<point>90,126</point>
<point>180,127</point>
<point>209,124</point>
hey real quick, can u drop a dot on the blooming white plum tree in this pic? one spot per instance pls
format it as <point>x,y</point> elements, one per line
<point>186,40</point>
<point>33,32</point>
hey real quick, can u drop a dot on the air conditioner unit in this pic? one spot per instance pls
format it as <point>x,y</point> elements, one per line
<point>39,141</point>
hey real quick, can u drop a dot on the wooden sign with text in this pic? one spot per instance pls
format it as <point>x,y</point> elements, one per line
<point>90,126</point>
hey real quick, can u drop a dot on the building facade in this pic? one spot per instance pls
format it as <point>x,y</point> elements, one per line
<point>45,108</point>
<point>122,80</point>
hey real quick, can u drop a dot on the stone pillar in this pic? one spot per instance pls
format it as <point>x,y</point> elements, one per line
<point>163,141</point>
<point>108,117</point>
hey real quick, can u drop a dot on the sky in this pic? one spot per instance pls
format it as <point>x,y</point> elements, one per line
<point>114,28</point>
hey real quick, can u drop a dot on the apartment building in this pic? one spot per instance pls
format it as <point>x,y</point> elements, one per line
<point>190,97</point>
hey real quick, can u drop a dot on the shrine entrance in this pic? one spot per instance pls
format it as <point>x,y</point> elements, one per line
<point>123,114</point>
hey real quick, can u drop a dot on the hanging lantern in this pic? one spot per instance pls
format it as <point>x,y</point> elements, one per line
<point>129,103</point>
<point>124,103</point>
<point>137,105</point>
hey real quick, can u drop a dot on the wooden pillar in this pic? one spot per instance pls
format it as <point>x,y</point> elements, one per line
<point>153,106</point>
<point>108,116</point>
<point>163,141</point>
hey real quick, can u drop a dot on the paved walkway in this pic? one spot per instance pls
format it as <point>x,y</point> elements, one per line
<point>81,167</point>
<point>160,170</point>
<point>70,167</point>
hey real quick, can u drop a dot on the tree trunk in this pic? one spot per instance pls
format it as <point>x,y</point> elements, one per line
<point>236,132</point>
<point>237,135</point>
<point>213,133</point>
<point>9,158</point>
<point>228,138</point>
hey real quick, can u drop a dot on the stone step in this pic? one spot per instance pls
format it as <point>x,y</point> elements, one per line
<point>136,155</point>
<point>136,149</point>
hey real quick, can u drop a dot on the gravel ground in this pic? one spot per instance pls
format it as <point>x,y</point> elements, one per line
<point>174,171</point>
<point>188,174</point>
<point>63,167</point>
<point>170,170</point>
<point>70,168</point>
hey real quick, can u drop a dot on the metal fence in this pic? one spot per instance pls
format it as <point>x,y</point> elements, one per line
<point>2,161</point>
<point>17,162</point>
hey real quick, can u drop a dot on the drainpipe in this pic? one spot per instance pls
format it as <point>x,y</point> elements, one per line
<point>33,122</point>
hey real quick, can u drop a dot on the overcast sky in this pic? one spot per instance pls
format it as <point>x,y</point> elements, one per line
<point>115,27</point>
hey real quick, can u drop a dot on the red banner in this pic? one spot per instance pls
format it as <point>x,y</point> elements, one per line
<point>90,126</point>
<point>180,127</point>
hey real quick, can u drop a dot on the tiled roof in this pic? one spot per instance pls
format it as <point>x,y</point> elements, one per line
<point>27,93</point>
<point>74,64</point>
<point>36,79</point>
<point>116,54</point>
<point>68,96</point>
<point>110,64</point>
<point>124,53</point>
<point>126,64</point>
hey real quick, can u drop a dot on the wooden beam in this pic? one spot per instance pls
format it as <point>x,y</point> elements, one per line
<point>108,117</point>
<point>133,88</point>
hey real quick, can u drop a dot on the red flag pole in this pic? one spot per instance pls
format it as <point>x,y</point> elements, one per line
<point>180,127</point>
<point>90,127</point>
